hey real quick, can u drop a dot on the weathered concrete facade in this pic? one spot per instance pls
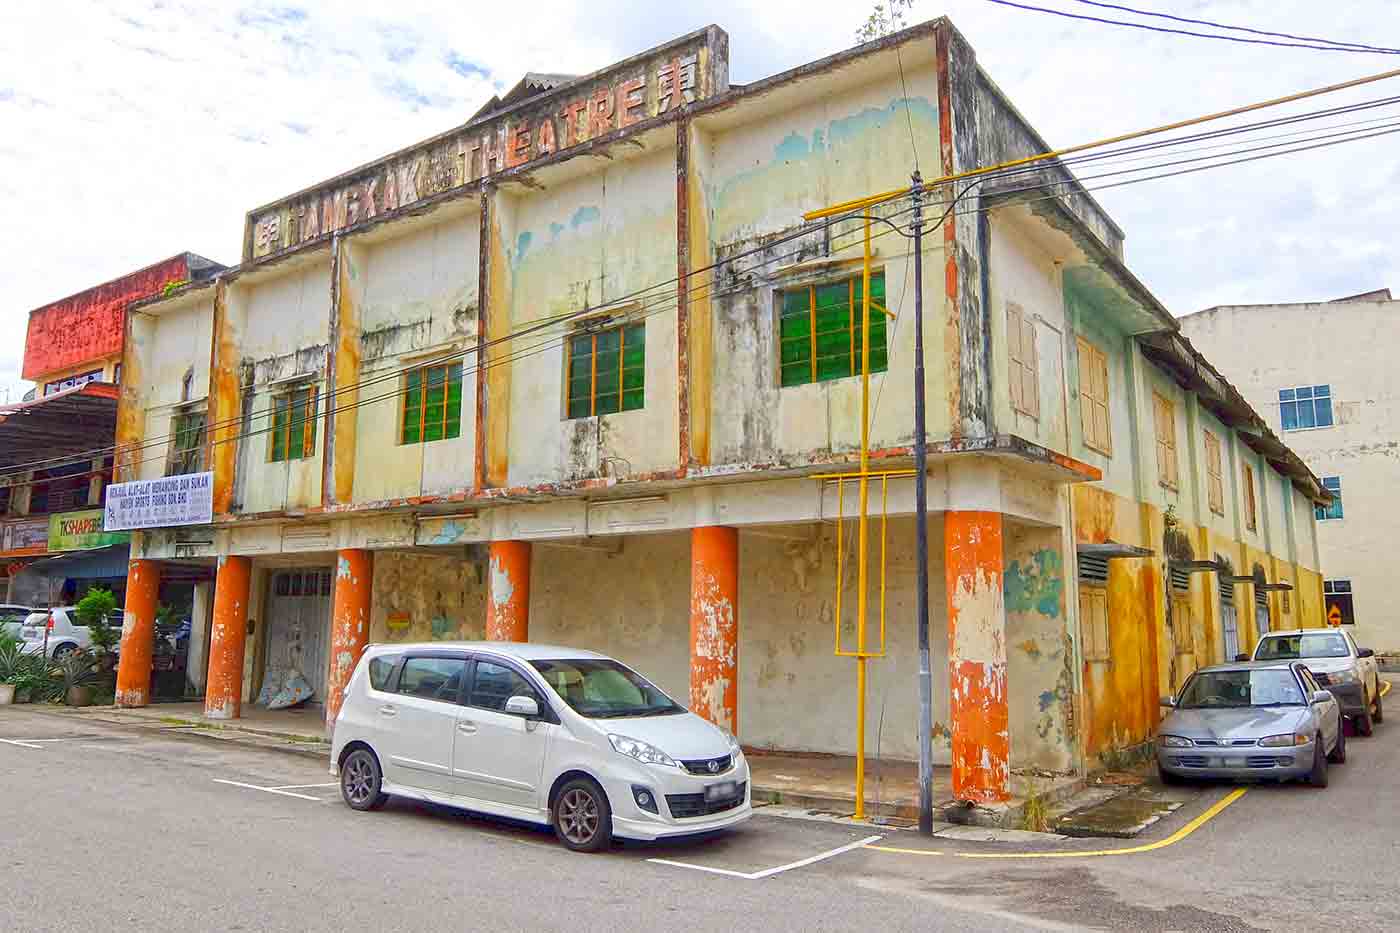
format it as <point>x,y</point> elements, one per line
<point>1268,351</point>
<point>675,517</point>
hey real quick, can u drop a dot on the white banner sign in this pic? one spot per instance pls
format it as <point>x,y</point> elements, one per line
<point>160,503</point>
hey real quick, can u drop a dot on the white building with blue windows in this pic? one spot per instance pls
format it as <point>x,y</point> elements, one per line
<point>1322,374</point>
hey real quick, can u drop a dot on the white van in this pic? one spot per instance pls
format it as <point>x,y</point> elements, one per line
<point>556,736</point>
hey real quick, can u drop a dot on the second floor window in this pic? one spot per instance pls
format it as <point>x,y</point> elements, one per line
<point>1215,475</point>
<point>1325,513</point>
<point>432,404</point>
<point>1305,407</point>
<point>1025,361</point>
<point>607,371</point>
<point>293,425</point>
<point>820,333</point>
<point>1164,420</point>
<point>190,435</point>
<point>1093,398</point>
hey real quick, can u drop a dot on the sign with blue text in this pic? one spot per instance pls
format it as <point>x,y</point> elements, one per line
<point>160,503</point>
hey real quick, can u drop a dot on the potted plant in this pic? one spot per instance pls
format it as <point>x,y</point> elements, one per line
<point>33,679</point>
<point>95,610</point>
<point>76,672</point>
<point>11,665</point>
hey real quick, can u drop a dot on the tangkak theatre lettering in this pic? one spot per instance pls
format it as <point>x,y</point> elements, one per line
<point>652,84</point>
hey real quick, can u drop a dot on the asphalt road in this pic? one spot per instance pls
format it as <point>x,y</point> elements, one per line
<point>116,828</point>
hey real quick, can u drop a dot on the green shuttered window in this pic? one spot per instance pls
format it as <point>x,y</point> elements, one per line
<point>820,330</point>
<point>294,425</point>
<point>607,371</point>
<point>432,404</point>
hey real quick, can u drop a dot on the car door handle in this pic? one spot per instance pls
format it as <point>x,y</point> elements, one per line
<point>387,710</point>
<point>466,727</point>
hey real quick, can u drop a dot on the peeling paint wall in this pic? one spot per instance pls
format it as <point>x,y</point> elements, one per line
<point>596,239</point>
<point>1040,650</point>
<point>284,335</point>
<point>417,298</point>
<point>426,596</point>
<point>759,178</point>
<point>1025,275</point>
<point>172,344</point>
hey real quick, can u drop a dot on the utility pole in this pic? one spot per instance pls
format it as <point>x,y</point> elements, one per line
<point>921,524</point>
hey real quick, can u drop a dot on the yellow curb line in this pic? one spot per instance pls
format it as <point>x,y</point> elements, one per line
<point>1173,839</point>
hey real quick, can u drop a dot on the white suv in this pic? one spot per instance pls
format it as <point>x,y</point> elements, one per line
<point>551,735</point>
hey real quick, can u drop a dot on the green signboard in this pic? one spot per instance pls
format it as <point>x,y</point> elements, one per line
<point>77,531</point>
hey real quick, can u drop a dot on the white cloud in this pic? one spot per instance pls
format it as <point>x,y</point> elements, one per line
<point>131,131</point>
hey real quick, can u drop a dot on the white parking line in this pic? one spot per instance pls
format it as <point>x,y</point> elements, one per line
<point>302,786</point>
<point>268,790</point>
<point>769,872</point>
<point>30,743</point>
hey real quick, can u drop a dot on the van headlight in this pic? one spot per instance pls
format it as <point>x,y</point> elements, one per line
<point>1174,741</point>
<point>1345,676</point>
<point>735,750</point>
<point>635,748</point>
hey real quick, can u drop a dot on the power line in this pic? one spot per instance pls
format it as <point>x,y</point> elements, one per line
<point>1257,32</point>
<point>1321,47</point>
<point>1059,156</point>
<point>664,298</point>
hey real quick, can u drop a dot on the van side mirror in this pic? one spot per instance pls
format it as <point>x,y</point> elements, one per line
<point>1168,700</point>
<point>1321,696</point>
<point>1241,657</point>
<point>1365,652</point>
<point>523,706</point>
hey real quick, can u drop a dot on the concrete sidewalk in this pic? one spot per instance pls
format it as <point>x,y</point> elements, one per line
<point>819,783</point>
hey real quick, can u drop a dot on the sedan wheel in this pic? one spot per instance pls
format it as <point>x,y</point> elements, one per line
<point>361,780</point>
<point>582,817</point>
<point>1318,776</point>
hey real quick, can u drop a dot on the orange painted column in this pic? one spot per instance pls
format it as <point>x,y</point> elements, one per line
<point>223,688</point>
<point>508,600</point>
<point>138,633</point>
<point>972,551</point>
<point>714,625</point>
<point>349,623</point>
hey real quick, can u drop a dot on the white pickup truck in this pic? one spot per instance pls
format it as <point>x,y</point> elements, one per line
<point>1336,663</point>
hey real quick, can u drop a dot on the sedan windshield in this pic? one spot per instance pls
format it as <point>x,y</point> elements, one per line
<point>1216,689</point>
<point>1288,647</point>
<point>603,689</point>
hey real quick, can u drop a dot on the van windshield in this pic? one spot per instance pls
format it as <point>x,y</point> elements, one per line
<point>604,689</point>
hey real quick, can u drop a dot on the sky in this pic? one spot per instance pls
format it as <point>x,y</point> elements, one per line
<point>131,130</point>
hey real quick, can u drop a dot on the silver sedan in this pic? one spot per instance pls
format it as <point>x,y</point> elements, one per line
<point>1256,720</point>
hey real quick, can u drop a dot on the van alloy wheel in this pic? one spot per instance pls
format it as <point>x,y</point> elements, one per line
<point>582,817</point>
<point>360,781</point>
<point>578,816</point>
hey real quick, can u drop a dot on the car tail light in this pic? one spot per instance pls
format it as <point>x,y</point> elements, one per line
<point>49,626</point>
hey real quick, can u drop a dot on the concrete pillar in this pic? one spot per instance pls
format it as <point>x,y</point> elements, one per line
<point>197,661</point>
<point>508,608</point>
<point>714,625</point>
<point>350,604</point>
<point>138,633</point>
<point>973,562</point>
<point>223,691</point>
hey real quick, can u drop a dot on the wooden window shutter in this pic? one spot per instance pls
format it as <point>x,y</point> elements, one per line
<point>1013,345</point>
<point>1030,366</point>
